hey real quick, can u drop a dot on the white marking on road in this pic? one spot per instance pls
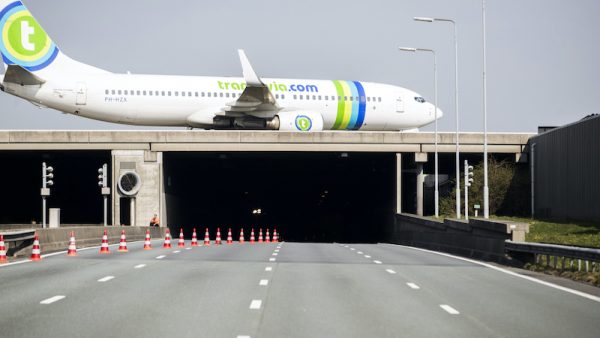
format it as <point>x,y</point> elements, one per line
<point>255,305</point>
<point>139,266</point>
<point>52,299</point>
<point>263,282</point>
<point>276,250</point>
<point>377,262</point>
<point>352,249</point>
<point>345,246</point>
<point>188,248</point>
<point>243,336</point>
<point>105,279</point>
<point>268,268</point>
<point>176,251</point>
<point>413,286</point>
<point>275,253</point>
<point>532,279</point>
<point>449,309</point>
<point>271,259</point>
<point>360,252</point>
<point>390,271</point>
<point>160,257</point>
<point>367,256</point>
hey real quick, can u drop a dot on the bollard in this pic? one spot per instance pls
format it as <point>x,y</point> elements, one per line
<point>579,265</point>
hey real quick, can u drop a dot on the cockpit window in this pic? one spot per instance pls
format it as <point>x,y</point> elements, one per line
<point>420,99</point>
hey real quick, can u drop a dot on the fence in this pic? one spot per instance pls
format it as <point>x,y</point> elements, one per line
<point>559,257</point>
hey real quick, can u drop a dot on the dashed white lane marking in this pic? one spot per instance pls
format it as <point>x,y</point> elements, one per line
<point>52,299</point>
<point>105,279</point>
<point>360,252</point>
<point>263,282</point>
<point>352,249</point>
<point>390,271</point>
<point>345,246</point>
<point>268,268</point>
<point>160,257</point>
<point>255,304</point>
<point>188,248</point>
<point>531,279</point>
<point>276,250</point>
<point>377,262</point>
<point>275,253</point>
<point>367,256</point>
<point>139,266</point>
<point>243,336</point>
<point>449,309</point>
<point>271,259</point>
<point>413,286</point>
<point>176,251</point>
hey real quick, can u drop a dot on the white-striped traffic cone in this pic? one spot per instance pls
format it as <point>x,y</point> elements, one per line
<point>260,237</point>
<point>35,251</point>
<point>123,242</point>
<point>242,236</point>
<point>275,236</point>
<point>206,238</point>
<point>268,237</point>
<point>104,247</point>
<point>229,237</point>
<point>218,239</point>
<point>147,242</point>
<point>194,238</point>
<point>3,258</point>
<point>167,243</point>
<point>252,239</point>
<point>181,242</point>
<point>72,251</point>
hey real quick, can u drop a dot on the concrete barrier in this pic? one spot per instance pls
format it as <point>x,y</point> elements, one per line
<point>478,238</point>
<point>58,239</point>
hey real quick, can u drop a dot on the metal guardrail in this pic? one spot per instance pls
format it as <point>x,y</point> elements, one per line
<point>18,235</point>
<point>539,250</point>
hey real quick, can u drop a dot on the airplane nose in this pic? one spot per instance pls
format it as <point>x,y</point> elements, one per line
<point>431,110</point>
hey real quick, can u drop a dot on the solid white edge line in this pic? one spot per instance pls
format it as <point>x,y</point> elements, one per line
<point>413,286</point>
<point>263,282</point>
<point>449,309</point>
<point>52,299</point>
<point>532,279</point>
<point>255,304</point>
<point>105,279</point>
<point>390,271</point>
<point>139,266</point>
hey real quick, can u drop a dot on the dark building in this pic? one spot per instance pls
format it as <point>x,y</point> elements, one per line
<point>565,167</point>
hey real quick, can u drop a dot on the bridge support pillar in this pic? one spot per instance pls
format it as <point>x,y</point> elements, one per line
<point>398,183</point>
<point>420,158</point>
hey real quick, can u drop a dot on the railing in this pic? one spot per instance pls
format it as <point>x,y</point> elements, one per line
<point>19,238</point>
<point>559,257</point>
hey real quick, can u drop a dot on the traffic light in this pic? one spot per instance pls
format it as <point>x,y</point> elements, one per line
<point>468,181</point>
<point>102,177</point>
<point>47,176</point>
<point>469,175</point>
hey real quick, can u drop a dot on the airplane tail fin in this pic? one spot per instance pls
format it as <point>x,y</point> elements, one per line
<point>23,42</point>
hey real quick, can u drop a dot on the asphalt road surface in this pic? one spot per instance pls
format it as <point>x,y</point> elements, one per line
<point>282,290</point>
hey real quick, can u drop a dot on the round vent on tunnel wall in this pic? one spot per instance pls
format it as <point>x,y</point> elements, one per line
<point>129,183</point>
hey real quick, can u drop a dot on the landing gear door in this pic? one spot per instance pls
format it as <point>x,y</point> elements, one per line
<point>400,104</point>
<point>81,94</point>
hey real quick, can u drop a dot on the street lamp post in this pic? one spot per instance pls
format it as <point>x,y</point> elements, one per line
<point>426,19</point>
<point>486,192</point>
<point>435,108</point>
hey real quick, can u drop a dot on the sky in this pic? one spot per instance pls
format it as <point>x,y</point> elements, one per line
<point>542,64</point>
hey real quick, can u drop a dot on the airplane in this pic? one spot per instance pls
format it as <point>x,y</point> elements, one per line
<point>37,71</point>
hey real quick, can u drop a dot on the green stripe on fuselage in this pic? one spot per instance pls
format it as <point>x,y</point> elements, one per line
<point>341,105</point>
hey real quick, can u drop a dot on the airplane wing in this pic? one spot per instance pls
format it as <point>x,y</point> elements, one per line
<point>256,100</point>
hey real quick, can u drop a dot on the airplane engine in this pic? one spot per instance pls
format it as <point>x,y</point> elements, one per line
<point>296,121</point>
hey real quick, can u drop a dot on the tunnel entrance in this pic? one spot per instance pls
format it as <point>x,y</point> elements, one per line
<point>317,197</point>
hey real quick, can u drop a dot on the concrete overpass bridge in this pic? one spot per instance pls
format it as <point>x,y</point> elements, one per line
<point>200,173</point>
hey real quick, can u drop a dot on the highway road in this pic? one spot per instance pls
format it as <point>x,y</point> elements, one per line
<point>282,290</point>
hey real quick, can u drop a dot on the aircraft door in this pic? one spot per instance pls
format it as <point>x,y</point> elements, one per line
<point>399,104</point>
<point>81,94</point>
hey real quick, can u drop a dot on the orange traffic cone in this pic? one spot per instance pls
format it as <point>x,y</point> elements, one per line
<point>252,236</point>
<point>206,238</point>
<point>123,243</point>
<point>260,237</point>
<point>275,237</point>
<point>147,243</point>
<point>104,247</point>
<point>218,239</point>
<point>181,243</point>
<point>35,252</point>
<point>242,236</point>
<point>268,237</point>
<point>167,244</point>
<point>229,238</point>
<point>194,238</point>
<point>3,258</point>
<point>72,251</point>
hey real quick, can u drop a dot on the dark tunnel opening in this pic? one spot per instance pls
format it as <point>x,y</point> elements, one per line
<point>317,197</point>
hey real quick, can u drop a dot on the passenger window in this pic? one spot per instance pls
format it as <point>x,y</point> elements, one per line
<point>319,97</point>
<point>169,93</point>
<point>214,94</point>
<point>301,97</point>
<point>379,99</point>
<point>150,92</point>
<point>196,93</point>
<point>282,96</point>
<point>314,97</point>
<point>208,94</point>
<point>106,92</point>
<point>176,93</point>
<point>144,93</point>
<point>190,94</point>
<point>221,95</point>
<point>295,97</point>
<point>277,96</point>
<point>120,92</point>
<point>326,98</point>
<point>368,99</point>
